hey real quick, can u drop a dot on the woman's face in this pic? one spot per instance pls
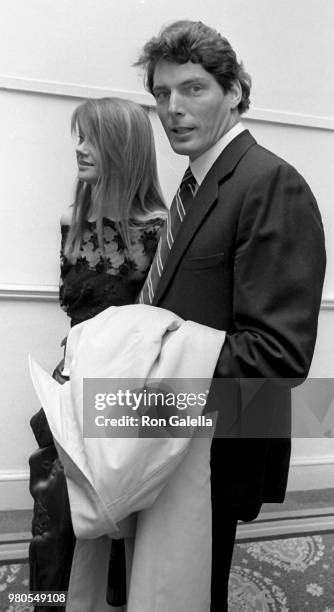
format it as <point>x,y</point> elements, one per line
<point>86,159</point>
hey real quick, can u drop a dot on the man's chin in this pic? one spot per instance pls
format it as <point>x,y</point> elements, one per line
<point>182,148</point>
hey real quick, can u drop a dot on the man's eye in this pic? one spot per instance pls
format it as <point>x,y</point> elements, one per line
<point>161,96</point>
<point>195,88</point>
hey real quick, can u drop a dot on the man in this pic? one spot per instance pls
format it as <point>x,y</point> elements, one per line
<point>248,257</point>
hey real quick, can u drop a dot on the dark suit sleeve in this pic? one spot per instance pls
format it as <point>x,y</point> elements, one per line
<point>279,269</point>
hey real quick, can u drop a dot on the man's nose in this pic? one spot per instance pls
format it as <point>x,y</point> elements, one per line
<point>175,105</point>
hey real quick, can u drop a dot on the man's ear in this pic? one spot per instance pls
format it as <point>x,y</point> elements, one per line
<point>235,94</point>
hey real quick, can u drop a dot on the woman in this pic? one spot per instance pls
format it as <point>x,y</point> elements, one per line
<point>118,211</point>
<point>109,238</point>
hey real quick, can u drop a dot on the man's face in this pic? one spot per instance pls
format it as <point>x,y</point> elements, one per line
<point>193,108</point>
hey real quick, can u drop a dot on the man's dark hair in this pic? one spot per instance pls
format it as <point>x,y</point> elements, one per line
<point>193,41</point>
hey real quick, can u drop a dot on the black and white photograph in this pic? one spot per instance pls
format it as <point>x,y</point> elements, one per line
<point>167,306</point>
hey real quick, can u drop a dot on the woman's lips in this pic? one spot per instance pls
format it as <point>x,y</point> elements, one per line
<point>83,163</point>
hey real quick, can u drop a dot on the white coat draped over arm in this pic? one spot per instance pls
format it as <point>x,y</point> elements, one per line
<point>166,480</point>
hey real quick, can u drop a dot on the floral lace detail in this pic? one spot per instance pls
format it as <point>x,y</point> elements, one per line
<point>96,282</point>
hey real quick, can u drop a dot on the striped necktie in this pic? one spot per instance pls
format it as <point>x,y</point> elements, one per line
<point>181,201</point>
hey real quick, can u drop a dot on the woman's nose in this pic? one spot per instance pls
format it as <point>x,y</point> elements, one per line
<point>80,147</point>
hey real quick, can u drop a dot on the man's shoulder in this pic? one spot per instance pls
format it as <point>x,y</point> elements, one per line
<point>267,158</point>
<point>257,170</point>
<point>263,164</point>
<point>244,157</point>
<point>260,171</point>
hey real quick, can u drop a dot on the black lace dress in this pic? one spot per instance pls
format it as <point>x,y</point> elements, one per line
<point>95,282</point>
<point>87,287</point>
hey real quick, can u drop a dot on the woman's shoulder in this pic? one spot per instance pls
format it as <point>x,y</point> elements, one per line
<point>151,222</point>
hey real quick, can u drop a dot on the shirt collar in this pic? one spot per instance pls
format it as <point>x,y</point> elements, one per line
<point>201,166</point>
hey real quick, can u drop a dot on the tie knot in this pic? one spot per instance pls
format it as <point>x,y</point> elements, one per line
<point>188,182</point>
<point>188,177</point>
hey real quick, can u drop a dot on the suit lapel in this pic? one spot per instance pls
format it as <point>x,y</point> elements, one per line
<point>204,200</point>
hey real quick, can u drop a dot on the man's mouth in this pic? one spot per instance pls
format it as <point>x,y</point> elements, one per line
<point>181,130</point>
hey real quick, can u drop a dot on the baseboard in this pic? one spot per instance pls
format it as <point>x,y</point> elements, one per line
<point>311,473</point>
<point>268,526</point>
<point>312,513</point>
<point>14,547</point>
<point>290,526</point>
<point>305,473</point>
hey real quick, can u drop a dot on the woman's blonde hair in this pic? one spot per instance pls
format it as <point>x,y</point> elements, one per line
<point>127,186</point>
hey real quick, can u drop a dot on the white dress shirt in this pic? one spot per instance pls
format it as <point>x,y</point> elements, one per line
<point>201,166</point>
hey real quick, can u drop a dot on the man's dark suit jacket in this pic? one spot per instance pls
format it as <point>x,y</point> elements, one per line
<point>249,258</point>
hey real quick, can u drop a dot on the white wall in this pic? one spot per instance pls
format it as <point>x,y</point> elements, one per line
<point>51,54</point>
<point>286,45</point>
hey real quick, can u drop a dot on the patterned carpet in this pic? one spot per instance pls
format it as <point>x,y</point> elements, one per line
<point>288,575</point>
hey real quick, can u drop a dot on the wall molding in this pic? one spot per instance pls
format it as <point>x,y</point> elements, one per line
<point>29,293</point>
<point>50,293</point>
<point>70,90</point>
<point>298,461</point>
<point>304,461</point>
<point>14,475</point>
<point>327,303</point>
<point>73,90</point>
